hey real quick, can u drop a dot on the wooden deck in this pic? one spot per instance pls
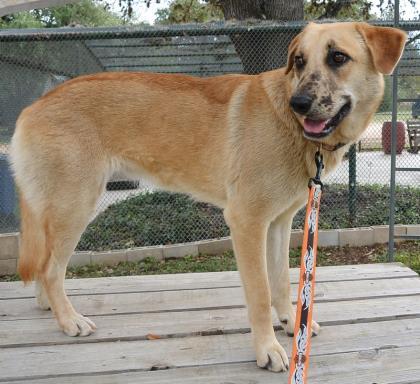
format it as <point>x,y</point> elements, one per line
<point>370,316</point>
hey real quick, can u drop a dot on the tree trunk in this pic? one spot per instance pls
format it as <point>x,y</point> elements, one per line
<point>283,10</point>
<point>263,50</point>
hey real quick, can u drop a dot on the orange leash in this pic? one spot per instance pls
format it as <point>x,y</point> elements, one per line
<point>303,329</point>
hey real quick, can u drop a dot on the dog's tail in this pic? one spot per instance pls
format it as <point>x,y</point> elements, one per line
<point>34,251</point>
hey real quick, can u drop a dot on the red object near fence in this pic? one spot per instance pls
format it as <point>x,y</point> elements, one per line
<point>386,136</point>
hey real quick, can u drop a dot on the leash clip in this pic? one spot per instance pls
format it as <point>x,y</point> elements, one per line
<point>319,167</point>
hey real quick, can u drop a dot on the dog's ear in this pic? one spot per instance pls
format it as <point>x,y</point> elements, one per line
<point>292,51</point>
<point>385,44</point>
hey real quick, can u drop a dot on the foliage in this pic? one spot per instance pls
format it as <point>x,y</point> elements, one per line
<point>85,13</point>
<point>151,266</point>
<point>387,9</point>
<point>152,219</point>
<point>372,206</point>
<point>338,9</point>
<point>182,11</point>
<point>314,9</point>
<point>20,20</point>
<point>186,11</point>
<point>411,259</point>
<point>164,218</point>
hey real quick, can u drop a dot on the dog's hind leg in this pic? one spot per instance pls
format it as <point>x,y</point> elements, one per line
<point>60,177</point>
<point>49,237</point>
<point>65,225</point>
<point>278,240</point>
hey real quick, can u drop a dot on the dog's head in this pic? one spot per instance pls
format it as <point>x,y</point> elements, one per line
<point>336,76</point>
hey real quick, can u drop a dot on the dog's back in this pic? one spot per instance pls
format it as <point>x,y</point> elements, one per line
<point>69,142</point>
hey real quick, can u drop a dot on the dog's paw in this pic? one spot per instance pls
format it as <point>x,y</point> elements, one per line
<point>41,297</point>
<point>43,303</point>
<point>77,325</point>
<point>316,328</point>
<point>272,356</point>
<point>287,322</point>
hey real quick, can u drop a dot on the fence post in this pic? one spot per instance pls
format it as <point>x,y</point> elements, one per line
<point>352,184</point>
<point>390,255</point>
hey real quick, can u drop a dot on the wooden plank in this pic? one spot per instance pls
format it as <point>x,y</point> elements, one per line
<point>207,298</point>
<point>109,285</point>
<point>216,321</point>
<point>22,363</point>
<point>397,366</point>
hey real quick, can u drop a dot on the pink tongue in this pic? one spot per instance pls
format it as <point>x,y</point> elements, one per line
<point>314,126</point>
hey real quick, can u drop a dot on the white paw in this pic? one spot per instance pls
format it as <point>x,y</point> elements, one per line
<point>316,328</point>
<point>287,321</point>
<point>41,297</point>
<point>77,325</point>
<point>272,356</point>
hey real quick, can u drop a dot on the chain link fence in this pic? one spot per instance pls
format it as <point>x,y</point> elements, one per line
<point>132,213</point>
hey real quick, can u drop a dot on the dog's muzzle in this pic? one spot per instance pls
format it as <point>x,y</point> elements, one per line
<point>316,129</point>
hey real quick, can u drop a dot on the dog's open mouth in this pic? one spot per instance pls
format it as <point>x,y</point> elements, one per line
<point>322,128</point>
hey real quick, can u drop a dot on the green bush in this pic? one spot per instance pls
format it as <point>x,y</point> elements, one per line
<point>165,218</point>
<point>152,219</point>
<point>372,207</point>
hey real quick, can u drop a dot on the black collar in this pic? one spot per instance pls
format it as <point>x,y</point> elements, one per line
<point>332,148</point>
<point>328,147</point>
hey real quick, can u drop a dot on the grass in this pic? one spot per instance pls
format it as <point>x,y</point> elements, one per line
<point>407,253</point>
<point>151,266</point>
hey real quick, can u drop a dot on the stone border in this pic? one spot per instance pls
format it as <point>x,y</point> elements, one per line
<point>326,238</point>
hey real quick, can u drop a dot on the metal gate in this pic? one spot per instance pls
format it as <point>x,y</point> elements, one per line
<point>394,168</point>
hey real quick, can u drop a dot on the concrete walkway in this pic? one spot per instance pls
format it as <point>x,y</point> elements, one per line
<point>375,168</point>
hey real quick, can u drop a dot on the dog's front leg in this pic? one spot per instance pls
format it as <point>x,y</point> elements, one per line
<point>278,240</point>
<point>249,236</point>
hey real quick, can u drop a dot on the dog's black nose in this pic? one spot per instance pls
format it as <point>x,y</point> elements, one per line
<point>301,104</point>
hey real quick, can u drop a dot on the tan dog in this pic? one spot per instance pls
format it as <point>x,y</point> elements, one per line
<point>244,143</point>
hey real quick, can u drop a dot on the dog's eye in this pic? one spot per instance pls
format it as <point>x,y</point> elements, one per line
<point>299,62</point>
<point>337,58</point>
